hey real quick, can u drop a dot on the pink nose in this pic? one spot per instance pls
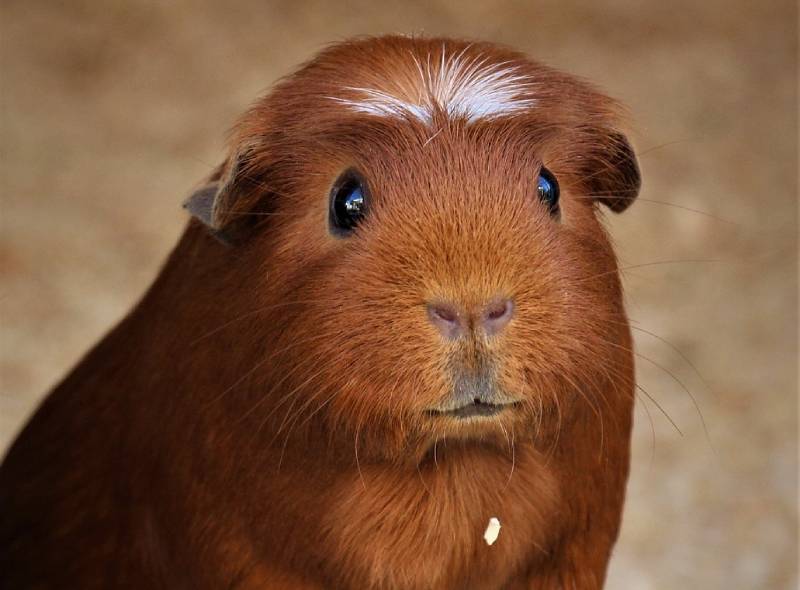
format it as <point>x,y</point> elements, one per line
<point>454,321</point>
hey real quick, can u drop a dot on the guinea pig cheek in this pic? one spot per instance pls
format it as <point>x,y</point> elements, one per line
<point>379,374</point>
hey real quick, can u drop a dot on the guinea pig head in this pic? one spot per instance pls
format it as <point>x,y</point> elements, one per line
<point>420,221</point>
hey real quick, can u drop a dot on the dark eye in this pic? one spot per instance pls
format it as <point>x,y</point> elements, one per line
<point>547,190</point>
<point>348,203</point>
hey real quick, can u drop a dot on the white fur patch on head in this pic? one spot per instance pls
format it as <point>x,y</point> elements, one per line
<point>460,86</point>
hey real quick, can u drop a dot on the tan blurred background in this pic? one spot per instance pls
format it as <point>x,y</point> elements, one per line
<point>112,110</point>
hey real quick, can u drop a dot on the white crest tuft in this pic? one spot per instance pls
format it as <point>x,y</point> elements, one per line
<point>459,86</point>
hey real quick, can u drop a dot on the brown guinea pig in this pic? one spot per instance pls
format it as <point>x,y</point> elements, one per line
<point>394,323</point>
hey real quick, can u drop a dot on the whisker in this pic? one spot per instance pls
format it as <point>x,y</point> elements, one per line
<point>510,443</point>
<point>675,378</point>
<point>285,420</point>
<point>554,445</point>
<point>663,145</point>
<point>237,382</point>
<point>689,393</point>
<point>660,408</point>
<point>261,363</point>
<point>679,353</point>
<point>355,451</point>
<point>633,325</point>
<point>596,195</point>
<point>652,431</point>
<point>420,476</point>
<point>622,269</point>
<point>257,311</point>
<point>598,414</point>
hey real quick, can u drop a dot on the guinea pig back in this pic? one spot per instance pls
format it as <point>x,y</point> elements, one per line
<point>394,315</point>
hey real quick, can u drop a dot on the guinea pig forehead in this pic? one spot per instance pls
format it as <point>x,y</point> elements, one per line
<point>385,142</point>
<point>463,81</point>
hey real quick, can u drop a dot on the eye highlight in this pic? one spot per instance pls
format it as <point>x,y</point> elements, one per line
<point>348,203</point>
<point>547,190</point>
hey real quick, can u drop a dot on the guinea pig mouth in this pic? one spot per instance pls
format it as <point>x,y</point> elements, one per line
<point>475,409</point>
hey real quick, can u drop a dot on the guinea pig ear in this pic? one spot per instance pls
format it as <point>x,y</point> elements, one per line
<point>214,203</point>
<point>615,180</point>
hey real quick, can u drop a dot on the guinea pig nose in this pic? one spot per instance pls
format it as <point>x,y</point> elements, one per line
<point>447,318</point>
<point>496,315</point>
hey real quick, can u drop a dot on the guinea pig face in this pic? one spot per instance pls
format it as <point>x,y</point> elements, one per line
<point>431,227</point>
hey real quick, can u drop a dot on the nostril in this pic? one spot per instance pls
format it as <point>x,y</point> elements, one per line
<point>497,314</point>
<point>497,311</point>
<point>444,313</point>
<point>446,318</point>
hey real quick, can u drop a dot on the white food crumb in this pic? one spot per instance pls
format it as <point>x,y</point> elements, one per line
<point>492,531</point>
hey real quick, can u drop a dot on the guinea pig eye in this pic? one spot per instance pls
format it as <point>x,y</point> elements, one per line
<point>348,203</point>
<point>547,190</point>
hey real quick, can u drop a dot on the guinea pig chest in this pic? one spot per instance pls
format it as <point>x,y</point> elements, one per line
<point>389,351</point>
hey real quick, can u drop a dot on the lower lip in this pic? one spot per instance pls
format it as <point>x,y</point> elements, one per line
<point>472,411</point>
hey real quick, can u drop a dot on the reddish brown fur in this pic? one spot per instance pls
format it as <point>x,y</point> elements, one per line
<point>258,420</point>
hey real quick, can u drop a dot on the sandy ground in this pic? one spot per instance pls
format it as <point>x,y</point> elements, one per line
<point>112,110</point>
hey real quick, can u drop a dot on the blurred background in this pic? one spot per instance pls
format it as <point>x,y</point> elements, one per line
<point>113,110</point>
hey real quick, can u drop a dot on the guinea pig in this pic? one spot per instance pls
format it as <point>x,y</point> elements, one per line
<point>389,351</point>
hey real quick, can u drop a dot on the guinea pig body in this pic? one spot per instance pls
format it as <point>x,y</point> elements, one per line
<point>394,316</point>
